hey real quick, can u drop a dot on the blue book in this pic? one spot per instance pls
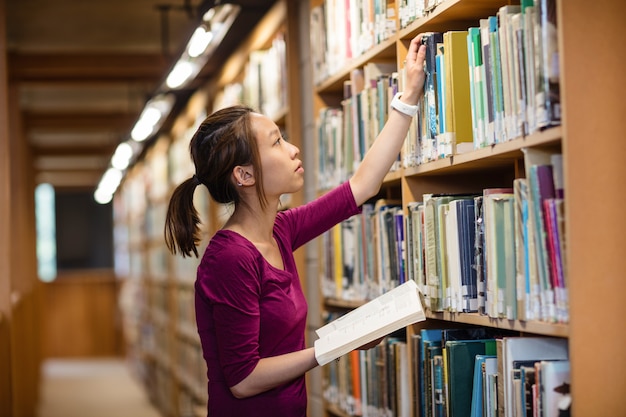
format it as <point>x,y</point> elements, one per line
<point>467,236</point>
<point>439,404</point>
<point>494,42</point>
<point>400,252</point>
<point>441,82</point>
<point>431,40</point>
<point>477,388</point>
<point>479,103</point>
<point>429,338</point>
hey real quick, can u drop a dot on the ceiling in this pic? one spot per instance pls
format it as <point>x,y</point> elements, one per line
<point>85,68</point>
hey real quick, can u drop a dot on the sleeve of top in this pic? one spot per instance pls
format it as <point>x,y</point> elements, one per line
<point>308,221</point>
<point>235,299</point>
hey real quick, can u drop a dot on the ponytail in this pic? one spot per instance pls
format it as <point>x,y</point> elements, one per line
<point>182,222</point>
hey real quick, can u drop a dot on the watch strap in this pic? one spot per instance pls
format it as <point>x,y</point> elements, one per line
<point>402,107</point>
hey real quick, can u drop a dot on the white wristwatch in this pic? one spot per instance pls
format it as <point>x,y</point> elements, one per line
<point>402,107</point>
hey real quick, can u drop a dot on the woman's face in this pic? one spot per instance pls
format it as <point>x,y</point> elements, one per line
<point>282,169</point>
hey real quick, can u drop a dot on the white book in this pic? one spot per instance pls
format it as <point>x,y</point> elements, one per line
<point>524,349</point>
<point>383,315</point>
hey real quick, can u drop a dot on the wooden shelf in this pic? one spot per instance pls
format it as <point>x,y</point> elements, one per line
<point>535,327</point>
<point>498,155</point>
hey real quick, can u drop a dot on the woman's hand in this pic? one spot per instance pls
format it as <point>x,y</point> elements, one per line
<point>414,71</point>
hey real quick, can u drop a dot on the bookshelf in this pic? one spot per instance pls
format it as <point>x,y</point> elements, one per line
<point>157,295</point>
<point>591,107</point>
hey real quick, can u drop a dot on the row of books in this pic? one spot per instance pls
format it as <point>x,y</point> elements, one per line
<point>344,29</point>
<point>190,369</point>
<point>345,134</point>
<point>159,383</point>
<point>500,252</point>
<point>453,372</point>
<point>186,312</point>
<point>364,255</point>
<point>411,10</point>
<point>373,382</point>
<point>489,84</point>
<point>264,82</point>
<point>485,372</point>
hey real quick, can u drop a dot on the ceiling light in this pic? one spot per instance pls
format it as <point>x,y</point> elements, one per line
<point>122,156</point>
<point>199,49</point>
<point>202,43</point>
<point>199,41</point>
<point>108,184</point>
<point>180,74</point>
<point>151,117</point>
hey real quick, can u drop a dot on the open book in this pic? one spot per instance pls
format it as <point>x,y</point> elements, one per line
<point>385,314</point>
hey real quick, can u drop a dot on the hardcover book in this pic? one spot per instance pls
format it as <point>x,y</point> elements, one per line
<point>499,246</point>
<point>548,100</point>
<point>477,385</point>
<point>517,349</point>
<point>430,345</point>
<point>461,358</point>
<point>457,101</point>
<point>430,99</point>
<point>555,398</point>
<point>507,57</point>
<point>467,231</point>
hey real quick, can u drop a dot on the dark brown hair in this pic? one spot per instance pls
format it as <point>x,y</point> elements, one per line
<point>224,140</point>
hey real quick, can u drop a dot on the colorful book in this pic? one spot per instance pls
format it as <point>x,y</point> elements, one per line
<point>520,190</point>
<point>479,254</point>
<point>430,339</point>
<point>554,388</point>
<point>431,40</point>
<point>457,98</point>
<point>461,358</point>
<point>500,277</point>
<point>478,385</point>
<point>467,231</point>
<point>548,100</point>
<point>496,85</point>
<point>507,57</point>
<point>488,88</point>
<point>524,349</point>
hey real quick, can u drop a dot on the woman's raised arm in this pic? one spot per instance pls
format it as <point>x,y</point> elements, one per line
<point>368,177</point>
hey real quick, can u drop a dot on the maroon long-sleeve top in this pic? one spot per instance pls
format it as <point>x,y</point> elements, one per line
<point>246,309</point>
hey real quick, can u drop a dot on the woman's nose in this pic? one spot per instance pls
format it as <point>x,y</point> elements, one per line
<point>295,151</point>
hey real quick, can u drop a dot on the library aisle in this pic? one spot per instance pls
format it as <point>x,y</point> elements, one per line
<point>94,387</point>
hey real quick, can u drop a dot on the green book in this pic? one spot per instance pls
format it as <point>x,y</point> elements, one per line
<point>461,357</point>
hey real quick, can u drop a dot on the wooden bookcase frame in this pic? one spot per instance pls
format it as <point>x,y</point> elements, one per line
<point>590,139</point>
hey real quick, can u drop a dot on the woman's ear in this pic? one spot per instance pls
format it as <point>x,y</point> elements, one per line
<point>243,175</point>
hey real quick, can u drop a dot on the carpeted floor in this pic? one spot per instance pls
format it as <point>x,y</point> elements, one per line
<point>94,388</point>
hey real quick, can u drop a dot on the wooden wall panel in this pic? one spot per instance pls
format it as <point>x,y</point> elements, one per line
<point>5,236</point>
<point>80,316</point>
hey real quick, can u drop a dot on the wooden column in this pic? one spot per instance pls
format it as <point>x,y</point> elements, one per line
<point>593,86</point>
<point>5,304</point>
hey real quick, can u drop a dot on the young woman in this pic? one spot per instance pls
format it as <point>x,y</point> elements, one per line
<point>250,308</point>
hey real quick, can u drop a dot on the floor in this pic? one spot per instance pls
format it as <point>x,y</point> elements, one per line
<point>94,388</point>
